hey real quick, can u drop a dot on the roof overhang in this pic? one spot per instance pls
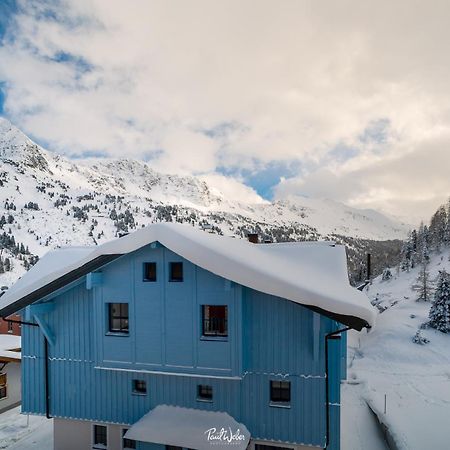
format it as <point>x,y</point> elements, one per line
<point>59,283</point>
<point>190,428</point>
<point>312,275</point>
<point>351,321</point>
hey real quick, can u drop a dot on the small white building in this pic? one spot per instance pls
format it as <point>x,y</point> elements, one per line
<point>10,372</point>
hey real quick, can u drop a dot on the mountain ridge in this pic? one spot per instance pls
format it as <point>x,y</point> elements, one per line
<point>48,200</point>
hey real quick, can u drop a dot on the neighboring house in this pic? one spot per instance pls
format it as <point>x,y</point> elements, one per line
<point>167,335</point>
<point>11,327</point>
<point>10,372</point>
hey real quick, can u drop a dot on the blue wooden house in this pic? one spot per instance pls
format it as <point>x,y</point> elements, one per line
<point>171,336</point>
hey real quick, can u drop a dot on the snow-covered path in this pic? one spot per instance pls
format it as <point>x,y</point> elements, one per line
<point>17,432</point>
<point>359,430</point>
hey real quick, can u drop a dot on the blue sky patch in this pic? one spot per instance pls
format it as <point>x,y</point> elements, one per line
<point>266,176</point>
<point>80,64</point>
<point>2,96</point>
<point>376,132</point>
<point>7,9</point>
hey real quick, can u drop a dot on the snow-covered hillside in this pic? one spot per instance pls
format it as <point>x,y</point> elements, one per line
<point>48,201</point>
<point>414,378</point>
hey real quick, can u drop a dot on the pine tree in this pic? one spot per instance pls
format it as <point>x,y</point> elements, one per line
<point>423,286</point>
<point>406,253</point>
<point>447,226</point>
<point>438,226</point>
<point>387,274</point>
<point>425,246</point>
<point>419,339</point>
<point>440,310</point>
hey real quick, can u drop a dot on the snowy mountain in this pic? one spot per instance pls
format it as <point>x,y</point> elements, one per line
<point>48,201</point>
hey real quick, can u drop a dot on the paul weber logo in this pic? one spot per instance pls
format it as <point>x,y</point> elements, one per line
<point>215,436</point>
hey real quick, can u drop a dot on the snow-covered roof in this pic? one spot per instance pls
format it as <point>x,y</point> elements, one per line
<point>313,274</point>
<point>9,344</point>
<point>190,428</point>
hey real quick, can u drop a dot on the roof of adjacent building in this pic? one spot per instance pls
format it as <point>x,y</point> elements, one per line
<point>10,346</point>
<point>313,274</point>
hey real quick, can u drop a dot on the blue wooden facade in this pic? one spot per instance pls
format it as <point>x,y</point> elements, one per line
<point>91,371</point>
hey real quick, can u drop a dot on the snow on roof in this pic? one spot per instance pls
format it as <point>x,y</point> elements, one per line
<point>8,344</point>
<point>189,428</point>
<point>312,274</point>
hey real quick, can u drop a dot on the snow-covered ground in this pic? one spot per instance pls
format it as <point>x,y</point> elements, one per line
<point>414,378</point>
<point>385,362</point>
<point>359,427</point>
<point>19,432</point>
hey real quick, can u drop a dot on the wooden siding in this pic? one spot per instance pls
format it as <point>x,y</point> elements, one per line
<point>270,338</point>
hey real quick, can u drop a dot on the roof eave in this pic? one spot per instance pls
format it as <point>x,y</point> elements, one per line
<point>57,284</point>
<point>357,323</point>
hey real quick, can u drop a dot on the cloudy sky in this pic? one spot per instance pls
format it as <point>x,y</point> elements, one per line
<point>348,100</point>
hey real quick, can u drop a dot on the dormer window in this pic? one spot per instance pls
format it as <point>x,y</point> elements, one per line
<point>176,271</point>
<point>118,318</point>
<point>150,271</point>
<point>215,320</point>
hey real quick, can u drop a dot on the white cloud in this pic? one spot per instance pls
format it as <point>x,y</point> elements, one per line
<point>232,188</point>
<point>298,80</point>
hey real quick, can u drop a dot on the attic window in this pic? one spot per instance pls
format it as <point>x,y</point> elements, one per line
<point>176,271</point>
<point>150,271</point>
<point>118,318</point>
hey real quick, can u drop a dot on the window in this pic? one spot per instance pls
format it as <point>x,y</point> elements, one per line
<point>204,392</point>
<point>118,318</point>
<point>215,320</point>
<point>176,271</point>
<point>127,444</point>
<point>139,387</point>
<point>150,271</point>
<point>10,327</point>
<point>100,437</point>
<point>280,391</point>
<point>3,385</point>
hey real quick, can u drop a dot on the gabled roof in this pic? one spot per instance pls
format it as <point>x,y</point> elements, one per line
<point>313,274</point>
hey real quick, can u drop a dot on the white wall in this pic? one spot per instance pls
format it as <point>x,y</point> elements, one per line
<point>77,435</point>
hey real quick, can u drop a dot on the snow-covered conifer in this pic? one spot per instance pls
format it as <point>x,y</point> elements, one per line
<point>440,310</point>
<point>387,274</point>
<point>419,339</point>
<point>423,286</point>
